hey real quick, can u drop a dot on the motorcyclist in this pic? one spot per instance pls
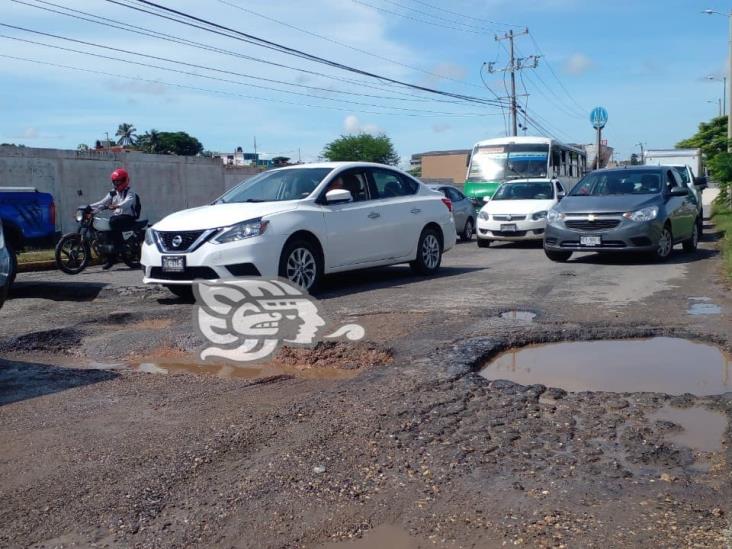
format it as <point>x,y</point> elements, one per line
<point>123,201</point>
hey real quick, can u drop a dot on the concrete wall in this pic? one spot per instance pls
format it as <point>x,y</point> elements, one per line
<point>165,183</point>
<point>449,166</point>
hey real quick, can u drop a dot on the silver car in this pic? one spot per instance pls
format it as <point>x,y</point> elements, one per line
<point>463,210</point>
<point>636,209</point>
<point>4,268</point>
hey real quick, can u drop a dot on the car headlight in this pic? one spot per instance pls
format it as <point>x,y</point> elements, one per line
<point>539,215</point>
<point>483,215</point>
<point>552,216</point>
<point>149,237</point>
<point>242,231</point>
<point>646,214</point>
<point>79,216</point>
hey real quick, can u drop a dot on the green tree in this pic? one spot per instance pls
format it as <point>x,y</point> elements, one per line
<point>180,143</point>
<point>82,147</point>
<point>711,138</point>
<point>126,134</point>
<point>634,160</point>
<point>362,147</point>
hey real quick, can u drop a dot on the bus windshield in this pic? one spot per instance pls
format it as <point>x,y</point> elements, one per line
<point>510,161</point>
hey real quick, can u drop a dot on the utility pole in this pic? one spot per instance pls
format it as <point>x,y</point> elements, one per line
<point>643,157</point>
<point>515,64</point>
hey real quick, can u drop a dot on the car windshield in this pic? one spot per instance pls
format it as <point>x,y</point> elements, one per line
<point>512,161</point>
<point>277,185</point>
<point>524,191</point>
<point>618,182</point>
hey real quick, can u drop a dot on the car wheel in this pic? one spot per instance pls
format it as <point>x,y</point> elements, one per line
<point>429,253</point>
<point>301,264</point>
<point>691,244</point>
<point>467,233</point>
<point>483,243</point>
<point>183,291</point>
<point>665,244</point>
<point>558,256</point>
<point>13,265</point>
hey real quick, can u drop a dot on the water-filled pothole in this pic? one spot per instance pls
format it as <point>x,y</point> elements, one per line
<point>662,365</point>
<point>700,429</point>
<point>521,316</point>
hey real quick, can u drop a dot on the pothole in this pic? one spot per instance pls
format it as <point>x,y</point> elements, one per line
<point>520,316</point>
<point>703,306</point>
<point>331,360</point>
<point>697,428</point>
<point>660,365</point>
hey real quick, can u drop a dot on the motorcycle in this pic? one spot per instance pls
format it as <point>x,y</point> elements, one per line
<point>93,239</point>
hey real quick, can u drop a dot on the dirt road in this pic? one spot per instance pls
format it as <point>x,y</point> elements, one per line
<point>410,442</point>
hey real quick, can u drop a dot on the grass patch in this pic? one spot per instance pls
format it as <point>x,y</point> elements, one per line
<point>722,218</point>
<point>34,256</point>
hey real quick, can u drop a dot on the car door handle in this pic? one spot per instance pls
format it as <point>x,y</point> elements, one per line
<point>374,215</point>
<point>415,210</point>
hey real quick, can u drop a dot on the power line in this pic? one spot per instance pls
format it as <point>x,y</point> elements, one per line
<point>339,43</point>
<point>426,114</point>
<point>112,23</point>
<point>571,97</point>
<point>418,20</point>
<point>481,29</point>
<point>245,37</point>
<point>478,19</point>
<point>188,73</point>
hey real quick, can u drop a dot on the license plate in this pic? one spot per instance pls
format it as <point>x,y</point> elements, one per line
<point>590,241</point>
<point>174,263</point>
<point>508,228</point>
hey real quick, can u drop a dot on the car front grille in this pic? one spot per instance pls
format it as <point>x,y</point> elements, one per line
<point>168,240</point>
<point>587,225</point>
<point>605,244</point>
<point>509,233</point>
<point>509,217</point>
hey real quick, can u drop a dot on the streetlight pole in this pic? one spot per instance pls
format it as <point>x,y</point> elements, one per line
<point>729,73</point>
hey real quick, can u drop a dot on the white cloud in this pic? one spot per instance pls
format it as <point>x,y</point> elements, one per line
<point>352,125</point>
<point>577,64</point>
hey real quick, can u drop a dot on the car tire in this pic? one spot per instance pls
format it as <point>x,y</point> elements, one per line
<point>182,291</point>
<point>558,256</point>
<point>691,244</point>
<point>13,264</point>
<point>483,243</point>
<point>468,230</point>
<point>429,253</point>
<point>301,263</point>
<point>665,245</point>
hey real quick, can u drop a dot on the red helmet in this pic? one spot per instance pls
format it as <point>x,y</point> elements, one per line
<point>120,177</point>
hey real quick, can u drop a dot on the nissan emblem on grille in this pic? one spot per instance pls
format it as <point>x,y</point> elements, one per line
<point>177,241</point>
<point>509,218</point>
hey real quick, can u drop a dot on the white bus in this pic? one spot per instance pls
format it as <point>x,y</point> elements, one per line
<point>495,161</point>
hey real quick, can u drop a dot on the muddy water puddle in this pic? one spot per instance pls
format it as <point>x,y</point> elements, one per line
<point>701,429</point>
<point>520,316</point>
<point>664,365</point>
<point>236,371</point>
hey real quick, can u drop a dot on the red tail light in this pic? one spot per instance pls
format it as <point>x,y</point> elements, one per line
<point>53,213</point>
<point>447,202</point>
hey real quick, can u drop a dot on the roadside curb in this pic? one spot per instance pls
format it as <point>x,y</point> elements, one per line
<point>35,266</point>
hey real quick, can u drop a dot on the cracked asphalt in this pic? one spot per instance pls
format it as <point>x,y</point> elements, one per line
<point>413,438</point>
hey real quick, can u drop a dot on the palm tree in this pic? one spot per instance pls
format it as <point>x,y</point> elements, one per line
<point>153,140</point>
<point>126,133</point>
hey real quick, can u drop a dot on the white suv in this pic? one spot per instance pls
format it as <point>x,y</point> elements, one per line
<point>301,222</point>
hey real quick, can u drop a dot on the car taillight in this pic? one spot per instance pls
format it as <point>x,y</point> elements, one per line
<point>53,214</point>
<point>447,202</point>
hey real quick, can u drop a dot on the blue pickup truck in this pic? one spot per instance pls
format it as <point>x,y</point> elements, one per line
<point>28,219</point>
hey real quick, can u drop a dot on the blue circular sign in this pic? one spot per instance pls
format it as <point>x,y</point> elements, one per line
<point>598,117</point>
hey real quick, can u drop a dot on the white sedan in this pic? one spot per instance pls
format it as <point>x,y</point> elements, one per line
<point>517,211</point>
<point>302,222</point>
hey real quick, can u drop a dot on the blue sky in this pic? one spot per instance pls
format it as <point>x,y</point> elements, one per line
<point>644,61</point>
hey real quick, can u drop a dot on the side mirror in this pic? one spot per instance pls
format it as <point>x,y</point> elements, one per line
<point>561,195</point>
<point>337,196</point>
<point>700,182</point>
<point>679,191</point>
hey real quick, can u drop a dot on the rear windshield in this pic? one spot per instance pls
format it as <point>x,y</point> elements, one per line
<point>524,191</point>
<point>618,182</point>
